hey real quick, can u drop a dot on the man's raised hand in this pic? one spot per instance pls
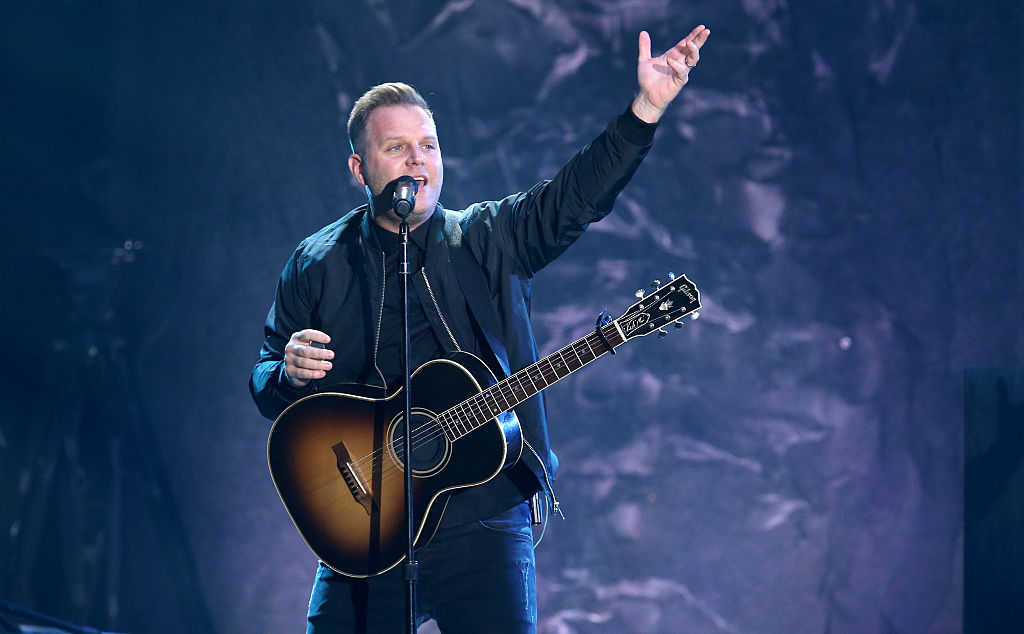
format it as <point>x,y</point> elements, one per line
<point>302,361</point>
<point>661,78</point>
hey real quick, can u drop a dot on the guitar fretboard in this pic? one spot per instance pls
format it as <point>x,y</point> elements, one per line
<point>504,395</point>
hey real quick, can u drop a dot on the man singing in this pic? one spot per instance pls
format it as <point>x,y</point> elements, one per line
<point>469,290</point>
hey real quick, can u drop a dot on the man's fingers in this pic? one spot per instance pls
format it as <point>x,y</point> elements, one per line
<point>702,37</point>
<point>312,335</point>
<point>302,361</point>
<point>681,44</point>
<point>682,70</point>
<point>692,55</point>
<point>689,56</point>
<point>302,349</point>
<point>313,353</point>
<point>645,46</point>
<point>311,364</point>
<point>698,36</point>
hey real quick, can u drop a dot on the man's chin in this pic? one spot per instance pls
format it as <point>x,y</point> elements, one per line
<point>417,217</point>
<point>423,210</point>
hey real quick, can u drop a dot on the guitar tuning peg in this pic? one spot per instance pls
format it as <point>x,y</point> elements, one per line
<point>639,293</point>
<point>656,284</point>
<point>677,324</point>
<point>671,275</point>
<point>662,333</point>
<point>695,315</point>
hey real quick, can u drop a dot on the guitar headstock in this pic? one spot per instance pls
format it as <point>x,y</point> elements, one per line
<point>662,305</point>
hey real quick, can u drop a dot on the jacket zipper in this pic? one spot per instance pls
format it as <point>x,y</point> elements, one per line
<point>380,319</point>
<point>444,323</point>
<point>555,506</point>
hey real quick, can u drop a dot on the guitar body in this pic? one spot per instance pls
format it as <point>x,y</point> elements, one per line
<point>336,460</point>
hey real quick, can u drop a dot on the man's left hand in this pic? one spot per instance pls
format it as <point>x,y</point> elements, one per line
<point>662,77</point>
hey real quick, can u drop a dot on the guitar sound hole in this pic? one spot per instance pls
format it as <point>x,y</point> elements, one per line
<point>430,448</point>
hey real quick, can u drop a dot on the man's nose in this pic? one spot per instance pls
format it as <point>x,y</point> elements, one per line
<point>415,156</point>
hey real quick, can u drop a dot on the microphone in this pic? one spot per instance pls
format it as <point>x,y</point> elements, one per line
<point>404,200</point>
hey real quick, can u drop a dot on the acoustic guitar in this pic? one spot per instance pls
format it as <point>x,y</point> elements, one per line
<point>336,457</point>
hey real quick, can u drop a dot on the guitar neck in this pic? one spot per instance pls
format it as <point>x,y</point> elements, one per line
<point>504,395</point>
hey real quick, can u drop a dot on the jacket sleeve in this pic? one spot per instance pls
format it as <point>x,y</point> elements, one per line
<point>291,311</point>
<point>532,228</point>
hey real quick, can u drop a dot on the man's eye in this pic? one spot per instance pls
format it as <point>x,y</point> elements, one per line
<point>394,147</point>
<point>428,146</point>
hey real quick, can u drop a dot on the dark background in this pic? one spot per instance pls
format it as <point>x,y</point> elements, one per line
<point>841,180</point>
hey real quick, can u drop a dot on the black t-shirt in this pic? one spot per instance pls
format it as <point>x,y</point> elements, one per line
<point>424,342</point>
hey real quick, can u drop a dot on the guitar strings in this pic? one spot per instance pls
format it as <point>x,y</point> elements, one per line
<point>428,432</point>
<point>476,412</point>
<point>396,467</point>
<point>450,421</point>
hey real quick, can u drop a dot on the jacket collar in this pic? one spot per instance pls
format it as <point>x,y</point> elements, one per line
<point>434,233</point>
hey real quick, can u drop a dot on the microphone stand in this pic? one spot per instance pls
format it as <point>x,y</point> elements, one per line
<point>411,565</point>
<point>402,195</point>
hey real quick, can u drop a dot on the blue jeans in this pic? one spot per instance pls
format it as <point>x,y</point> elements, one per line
<point>474,577</point>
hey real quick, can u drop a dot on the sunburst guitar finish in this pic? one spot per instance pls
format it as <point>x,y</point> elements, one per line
<point>336,461</point>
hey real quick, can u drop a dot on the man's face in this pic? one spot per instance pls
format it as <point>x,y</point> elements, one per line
<point>400,141</point>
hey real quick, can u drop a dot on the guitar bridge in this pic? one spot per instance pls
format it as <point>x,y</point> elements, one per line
<point>353,477</point>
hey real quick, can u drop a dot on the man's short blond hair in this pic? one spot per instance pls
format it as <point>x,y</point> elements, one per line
<point>393,93</point>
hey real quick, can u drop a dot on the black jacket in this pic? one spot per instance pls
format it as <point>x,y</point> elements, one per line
<point>333,280</point>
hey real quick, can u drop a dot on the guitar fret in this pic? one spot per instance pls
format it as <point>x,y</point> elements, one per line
<point>567,361</point>
<point>502,387</point>
<point>494,408</point>
<point>453,416</point>
<point>539,374</point>
<point>479,406</point>
<point>443,424</point>
<point>529,388</point>
<point>512,381</point>
<point>551,368</point>
<point>561,364</point>
<point>451,427</point>
<point>533,378</point>
<point>515,400</point>
<point>573,348</point>
<point>586,340</point>
<point>518,376</point>
<point>465,419</point>
<point>526,391</point>
<point>470,415</point>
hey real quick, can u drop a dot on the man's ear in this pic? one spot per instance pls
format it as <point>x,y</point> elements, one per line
<point>355,165</point>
